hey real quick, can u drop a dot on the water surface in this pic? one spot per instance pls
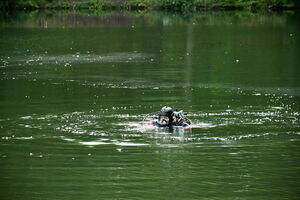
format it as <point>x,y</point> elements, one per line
<point>77,88</point>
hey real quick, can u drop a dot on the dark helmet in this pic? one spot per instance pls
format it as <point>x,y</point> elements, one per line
<point>166,111</point>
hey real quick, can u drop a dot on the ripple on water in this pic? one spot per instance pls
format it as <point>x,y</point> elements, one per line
<point>130,144</point>
<point>24,138</point>
<point>69,59</point>
<point>113,126</point>
<point>94,143</point>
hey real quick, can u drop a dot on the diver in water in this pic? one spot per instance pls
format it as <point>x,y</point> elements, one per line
<point>168,117</point>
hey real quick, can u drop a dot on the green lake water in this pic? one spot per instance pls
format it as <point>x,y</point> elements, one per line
<point>76,90</point>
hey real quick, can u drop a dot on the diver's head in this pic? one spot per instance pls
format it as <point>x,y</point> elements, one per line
<point>163,120</point>
<point>165,116</point>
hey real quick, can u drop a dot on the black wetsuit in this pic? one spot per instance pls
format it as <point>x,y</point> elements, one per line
<point>184,122</point>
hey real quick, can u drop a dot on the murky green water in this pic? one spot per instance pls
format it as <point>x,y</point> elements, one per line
<point>76,88</point>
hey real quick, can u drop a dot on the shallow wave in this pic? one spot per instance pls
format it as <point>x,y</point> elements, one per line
<point>69,59</point>
<point>138,83</point>
<point>233,138</point>
<point>93,143</point>
<point>117,126</point>
<point>79,122</point>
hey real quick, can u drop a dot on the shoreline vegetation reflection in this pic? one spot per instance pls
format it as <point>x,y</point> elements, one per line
<point>170,5</point>
<point>81,18</point>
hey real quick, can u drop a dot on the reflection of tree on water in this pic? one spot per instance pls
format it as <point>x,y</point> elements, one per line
<point>189,54</point>
<point>88,18</point>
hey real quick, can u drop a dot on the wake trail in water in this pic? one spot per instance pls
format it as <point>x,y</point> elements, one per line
<point>69,59</point>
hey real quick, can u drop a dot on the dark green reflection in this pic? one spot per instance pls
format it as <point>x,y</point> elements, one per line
<point>75,88</point>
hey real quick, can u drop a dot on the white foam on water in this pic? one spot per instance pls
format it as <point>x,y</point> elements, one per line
<point>97,133</point>
<point>144,127</point>
<point>131,135</point>
<point>170,145</point>
<point>24,138</point>
<point>202,125</point>
<point>234,153</point>
<point>130,144</point>
<point>277,107</point>
<point>27,117</point>
<point>67,139</point>
<point>94,143</point>
<point>31,126</point>
<point>6,138</point>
